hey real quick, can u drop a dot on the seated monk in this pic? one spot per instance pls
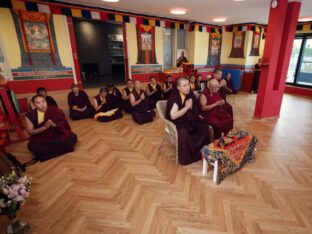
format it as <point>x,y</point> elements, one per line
<point>43,92</point>
<point>212,106</point>
<point>200,82</point>
<point>217,74</point>
<point>50,133</point>
<point>153,91</point>
<point>114,96</point>
<point>193,132</point>
<point>126,96</point>
<point>182,59</point>
<point>193,84</point>
<point>142,111</point>
<point>79,104</point>
<point>168,87</point>
<point>229,84</point>
<point>105,109</point>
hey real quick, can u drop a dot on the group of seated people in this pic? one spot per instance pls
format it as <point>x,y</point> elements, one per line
<point>51,135</point>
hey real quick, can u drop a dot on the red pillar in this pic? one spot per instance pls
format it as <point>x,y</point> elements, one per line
<point>278,46</point>
<point>74,50</point>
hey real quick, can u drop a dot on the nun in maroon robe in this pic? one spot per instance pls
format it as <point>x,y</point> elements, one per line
<point>142,108</point>
<point>168,87</point>
<point>212,110</point>
<point>193,132</point>
<point>105,109</point>
<point>154,91</point>
<point>217,74</point>
<point>126,96</point>
<point>79,104</point>
<point>114,96</point>
<point>50,133</point>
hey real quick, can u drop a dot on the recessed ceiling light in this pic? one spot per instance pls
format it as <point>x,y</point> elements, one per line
<point>219,19</point>
<point>305,19</point>
<point>110,0</point>
<point>178,11</point>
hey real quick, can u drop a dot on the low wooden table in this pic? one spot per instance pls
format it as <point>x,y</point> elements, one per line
<point>230,158</point>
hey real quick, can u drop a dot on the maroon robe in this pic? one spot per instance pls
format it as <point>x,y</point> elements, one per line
<point>218,117</point>
<point>115,98</point>
<point>54,141</point>
<point>223,92</point>
<point>81,100</point>
<point>143,112</point>
<point>169,92</point>
<point>107,107</point>
<point>126,103</point>
<point>154,98</point>
<point>193,132</point>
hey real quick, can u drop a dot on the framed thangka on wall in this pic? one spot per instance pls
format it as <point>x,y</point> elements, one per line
<point>255,44</point>
<point>238,44</point>
<point>146,44</point>
<point>215,41</point>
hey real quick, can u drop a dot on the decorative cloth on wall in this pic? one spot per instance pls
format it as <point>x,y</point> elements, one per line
<point>238,44</point>
<point>92,13</point>
<point>215,41</point>
<point>255,44</point>
<point>146,44</point>
<point>36,33</point>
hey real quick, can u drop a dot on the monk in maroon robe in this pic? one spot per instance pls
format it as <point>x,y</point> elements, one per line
<point>142,108</point>
<point>154,91</point>
<point>50,133</point>
<point>79,104</point>
<point>193,84</point>
<point>193,132</point>
<point>212,109</point>
<point>217,74</point>
<point>43,92</point>
<point>114,96</point>
<point>168,87</point>
<point>105,109</point>
<point>126,96</point>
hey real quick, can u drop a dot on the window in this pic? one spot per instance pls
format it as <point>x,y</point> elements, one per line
<point>300,66</point>
<point>168,47</point>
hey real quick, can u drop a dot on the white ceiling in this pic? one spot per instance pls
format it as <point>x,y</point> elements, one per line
<point>199,10</point>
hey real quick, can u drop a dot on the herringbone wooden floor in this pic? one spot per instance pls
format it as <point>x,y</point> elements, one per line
<point>117,181</point>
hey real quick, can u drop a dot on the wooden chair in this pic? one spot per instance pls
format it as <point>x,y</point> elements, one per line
<point>171,133</point>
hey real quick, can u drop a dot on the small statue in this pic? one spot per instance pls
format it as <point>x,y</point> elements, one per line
<point>222,141</point>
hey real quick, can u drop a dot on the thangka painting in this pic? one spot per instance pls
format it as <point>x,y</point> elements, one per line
<point>37,36</point>
<point>255,44</point>
<point>146,44</point>
<point>238,43</point>
<point>214,52</point>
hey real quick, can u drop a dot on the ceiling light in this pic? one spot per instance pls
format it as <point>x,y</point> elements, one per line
<point>178,11</point>
<point>110,0</point>
<point>219,19</point>
<point>305,19</point>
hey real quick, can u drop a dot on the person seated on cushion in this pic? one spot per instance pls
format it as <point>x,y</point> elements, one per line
<point>168,87</point>
<point>50,133</point>
<point>105,109</point>
<point>153,91</point>
<point>114,96</point>
<point>193,84</point>
<point>217,74</point>
<point>43,92</point>
<point>193,132</point>
<point>142,109</point>
<point>126,96</point>
<point>213,111</point>
<point>79,104</point>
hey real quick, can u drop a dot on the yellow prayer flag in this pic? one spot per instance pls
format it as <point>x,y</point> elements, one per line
<point>118,18</point>
<point>151,22</point>
<point>19,5</point>
<point>306,27</point>
<point>76,13</point>
<point>196,28</point>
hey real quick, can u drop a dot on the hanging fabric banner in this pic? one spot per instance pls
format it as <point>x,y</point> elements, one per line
<point>36,33</point>
<point>255,44</point>
<point>146,44</point>
<point>238,43</point>
<point>214,51</point>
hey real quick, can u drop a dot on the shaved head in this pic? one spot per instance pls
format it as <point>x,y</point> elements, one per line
<point>180,80</point>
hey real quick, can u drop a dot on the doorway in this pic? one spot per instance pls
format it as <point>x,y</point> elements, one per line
<point>100,52</point>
